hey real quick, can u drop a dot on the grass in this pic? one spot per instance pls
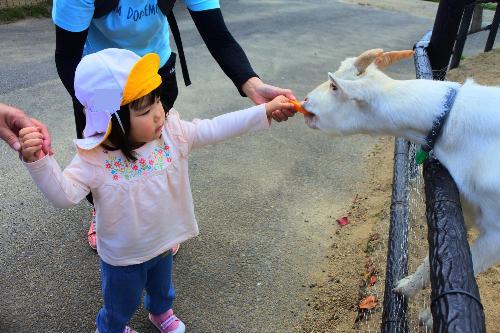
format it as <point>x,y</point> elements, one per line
<point>488,6</point>
<point>12,14</point>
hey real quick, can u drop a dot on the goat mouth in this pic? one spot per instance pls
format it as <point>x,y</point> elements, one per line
<point>305,109</point>
<point>311,121</point>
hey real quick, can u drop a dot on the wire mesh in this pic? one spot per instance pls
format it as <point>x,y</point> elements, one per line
<point>417,240</point>
<point>371,320</point>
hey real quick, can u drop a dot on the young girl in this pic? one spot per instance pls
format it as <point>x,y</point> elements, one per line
<point>134,160</point>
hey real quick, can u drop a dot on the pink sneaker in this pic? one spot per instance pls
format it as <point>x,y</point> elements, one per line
<point>91,235</point>
<point>168,322</point>
<point>125,330</point>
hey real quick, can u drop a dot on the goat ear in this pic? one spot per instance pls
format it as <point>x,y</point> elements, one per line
<point>331,78</point>
<point>357,90</point>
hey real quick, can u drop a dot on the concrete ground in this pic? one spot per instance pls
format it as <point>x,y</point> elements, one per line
<point>266,203</point>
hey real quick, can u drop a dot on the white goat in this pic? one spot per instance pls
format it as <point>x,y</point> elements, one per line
<point>360,98</point>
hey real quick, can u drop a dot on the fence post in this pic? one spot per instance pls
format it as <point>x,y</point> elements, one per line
<point>444,33</point>
<point>455,297</point>
<point>477,19</point>
<point>452,312</point>
<point>493,29</point>
<point>462,35</point>
<point>394,313</point>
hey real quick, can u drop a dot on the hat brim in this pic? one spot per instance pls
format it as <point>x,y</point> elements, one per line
<point>94,140</point>
<point>143,78</point>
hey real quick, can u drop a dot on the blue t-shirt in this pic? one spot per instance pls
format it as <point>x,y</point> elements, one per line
<point>135,25</point>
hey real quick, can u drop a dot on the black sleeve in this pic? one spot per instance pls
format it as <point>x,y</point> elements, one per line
<point>69,49</point>
<point>223,47</point>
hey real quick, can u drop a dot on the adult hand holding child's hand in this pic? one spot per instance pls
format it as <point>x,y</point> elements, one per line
<point>260,92</point>
<point>280,103</point>
<point>12,120</point>
<point>31,144</point>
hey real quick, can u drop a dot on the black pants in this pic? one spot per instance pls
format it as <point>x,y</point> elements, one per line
<point>168,95</point>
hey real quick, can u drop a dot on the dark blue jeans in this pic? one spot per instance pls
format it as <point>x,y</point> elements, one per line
<point>122,288</point>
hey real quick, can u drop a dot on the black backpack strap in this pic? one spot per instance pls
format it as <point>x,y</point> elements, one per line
<point>177,38</point>
<point>166,7</point>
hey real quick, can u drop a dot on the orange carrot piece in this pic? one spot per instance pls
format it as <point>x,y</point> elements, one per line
<point>299,108</point>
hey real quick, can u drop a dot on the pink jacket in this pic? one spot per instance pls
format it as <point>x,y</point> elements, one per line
<point>143,208</point>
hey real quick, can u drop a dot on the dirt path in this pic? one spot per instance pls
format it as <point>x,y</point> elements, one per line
<point>355,248</point>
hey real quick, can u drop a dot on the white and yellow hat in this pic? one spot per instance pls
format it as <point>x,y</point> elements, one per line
<point>108,79</point>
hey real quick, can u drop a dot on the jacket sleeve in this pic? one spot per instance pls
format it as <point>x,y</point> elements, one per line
<point>223,47</point>
<point>204,132</point>
<point>62,189</point>
<point>69,49</point>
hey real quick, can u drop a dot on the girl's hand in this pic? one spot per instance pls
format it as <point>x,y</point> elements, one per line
<point>31,144</point>
<point>282,105</point>
<point>260,92</point>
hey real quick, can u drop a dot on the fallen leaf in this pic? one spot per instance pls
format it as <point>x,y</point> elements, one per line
<point>373,280</point>
<point>368,303</point>
<point>370,268</point>
<point>343,221</point>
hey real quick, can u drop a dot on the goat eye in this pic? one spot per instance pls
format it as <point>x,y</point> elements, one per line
<point>333,86</point>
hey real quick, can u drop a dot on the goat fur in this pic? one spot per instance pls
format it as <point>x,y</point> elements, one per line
<point>469,146</point>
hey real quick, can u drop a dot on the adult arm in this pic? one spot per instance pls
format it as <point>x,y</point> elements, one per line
<point>223,47</point>
<point>69,49</point>
<point>72,19</point>
<point>233,60</point>
<point>12,120</point>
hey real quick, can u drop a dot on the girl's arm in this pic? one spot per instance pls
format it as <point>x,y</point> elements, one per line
<point>63,190</point>
<point>210,131</point>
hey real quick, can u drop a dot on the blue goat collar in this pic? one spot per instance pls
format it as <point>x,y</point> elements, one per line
<point>437,127</point>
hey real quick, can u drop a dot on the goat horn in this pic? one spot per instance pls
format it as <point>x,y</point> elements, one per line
<point>388,58</point>
<point>366,58</point>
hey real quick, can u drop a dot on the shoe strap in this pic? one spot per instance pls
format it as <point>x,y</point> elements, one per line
<point>167,322</point>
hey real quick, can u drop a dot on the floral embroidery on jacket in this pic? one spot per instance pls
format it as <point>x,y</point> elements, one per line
<point>120,167</point>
